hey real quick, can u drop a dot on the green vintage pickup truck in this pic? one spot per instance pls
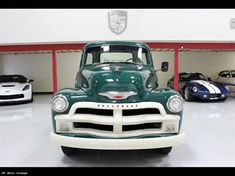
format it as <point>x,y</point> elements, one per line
<point>116,103</point>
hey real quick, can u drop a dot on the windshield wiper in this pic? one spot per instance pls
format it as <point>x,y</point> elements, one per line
<point>127,62</point>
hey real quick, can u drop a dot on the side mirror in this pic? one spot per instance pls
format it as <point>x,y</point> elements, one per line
<point>164,66</point>
<point>209,79</point>
<point>31,80</point>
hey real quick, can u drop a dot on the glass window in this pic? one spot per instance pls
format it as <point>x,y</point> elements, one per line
<point>144,58</point>
<point>225,74</point>
<point>89,59</point>
<point>192,76</point>
<point>13,78</point>
<point>184,77</point>
<point>233,73</point>
<point>116,54</point>
<point>116,57</point>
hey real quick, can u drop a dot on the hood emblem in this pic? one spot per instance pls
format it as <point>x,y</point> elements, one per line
<point>115,95</point>
<point>117,69</point>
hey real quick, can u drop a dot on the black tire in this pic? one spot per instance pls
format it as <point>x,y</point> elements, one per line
<point>165,150</point>
<point>224,99</point>
<point>68,150</point>
<point>187,96</point>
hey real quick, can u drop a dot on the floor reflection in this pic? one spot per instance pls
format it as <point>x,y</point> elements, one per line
<point>210,110</point>
<point>16,113</point>
<point>136,158</point>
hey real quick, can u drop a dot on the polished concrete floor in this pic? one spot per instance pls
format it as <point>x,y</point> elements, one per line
<point>25,141</point>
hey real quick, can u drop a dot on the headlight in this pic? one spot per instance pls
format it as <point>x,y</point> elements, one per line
<point>59,103</point>
<point>227,88</point>
<point>195,89</point>
<point>25,87</point>
<point>175,103</point>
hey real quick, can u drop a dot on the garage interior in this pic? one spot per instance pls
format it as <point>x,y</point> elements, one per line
<point>25,128</point>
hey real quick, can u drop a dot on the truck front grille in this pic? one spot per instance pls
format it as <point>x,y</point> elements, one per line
<point>92,126</point>
<point>109,112</point>
<point>134,112</point>
<point>117,119</point>
<point>102,112</point>
<point>142,126</point>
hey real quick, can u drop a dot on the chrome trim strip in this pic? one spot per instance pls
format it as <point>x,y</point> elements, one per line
<point>111,94</point>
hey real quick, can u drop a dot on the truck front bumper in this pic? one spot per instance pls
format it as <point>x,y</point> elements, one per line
<point>118,144</point>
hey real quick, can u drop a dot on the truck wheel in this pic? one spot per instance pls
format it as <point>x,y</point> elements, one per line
<point>187,95</point>
<point>165,150</point>
<point>68,150</point>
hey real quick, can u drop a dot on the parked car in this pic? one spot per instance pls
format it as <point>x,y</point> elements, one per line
<point>194,86</point>
<point>15,88</point>
<point>227,77</point>
<point>116,104</point>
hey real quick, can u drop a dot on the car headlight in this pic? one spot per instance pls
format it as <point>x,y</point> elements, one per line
<point>25,87</point>
<point>195,89</point>
<point>59,103</point>
<point>175,103</point>
<point>227,88</point>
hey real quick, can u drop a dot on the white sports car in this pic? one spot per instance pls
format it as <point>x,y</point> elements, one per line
<point>15,88</point>
<point>227,77</point>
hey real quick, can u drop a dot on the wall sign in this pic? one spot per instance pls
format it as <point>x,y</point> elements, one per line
<point>232,23</point>
<point>117,21</point>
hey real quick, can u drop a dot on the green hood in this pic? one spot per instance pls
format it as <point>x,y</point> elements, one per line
<point>116,77</point>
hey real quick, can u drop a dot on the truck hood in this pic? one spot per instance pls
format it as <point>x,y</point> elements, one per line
<point>117,77</point>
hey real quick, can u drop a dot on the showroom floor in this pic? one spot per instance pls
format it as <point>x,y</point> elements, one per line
<point>25,141</point>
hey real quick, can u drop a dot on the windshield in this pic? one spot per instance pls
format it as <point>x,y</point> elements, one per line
<point>192,76</point>
<point>116,54</point>
<point>12,78</point>
<point>233,73</point>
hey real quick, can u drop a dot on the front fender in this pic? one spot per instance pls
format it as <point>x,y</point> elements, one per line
<point>161,96</point>
<point>73,96</point>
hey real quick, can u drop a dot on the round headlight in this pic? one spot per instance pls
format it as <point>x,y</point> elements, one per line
<point>195,89</point>
<point>59,103</point>
<point>175,103</point>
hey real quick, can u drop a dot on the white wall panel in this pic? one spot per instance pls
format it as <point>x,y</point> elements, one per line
<point>19,26</point>
<point>33,66</point>
<point>67,67</point>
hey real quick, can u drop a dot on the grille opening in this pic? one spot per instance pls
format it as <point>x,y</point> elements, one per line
<point>93,126</point>
<point>215,95</point>
<point>8,85</point>
<point>6,97</point>
<point>132,112</point>
<point>142,126</point>
<point>103,112</point>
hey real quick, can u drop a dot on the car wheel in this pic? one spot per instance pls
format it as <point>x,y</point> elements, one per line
<point>224,99</point>
<point>68,150</point>
<point>187,95</point>
<point>165,150</point>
